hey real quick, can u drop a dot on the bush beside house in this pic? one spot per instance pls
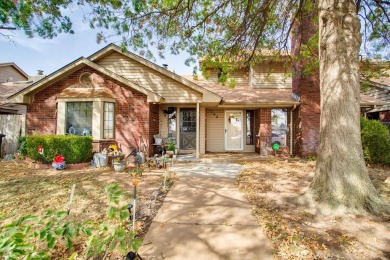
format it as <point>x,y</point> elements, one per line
<point>375,141</point>
<point>75,149</point>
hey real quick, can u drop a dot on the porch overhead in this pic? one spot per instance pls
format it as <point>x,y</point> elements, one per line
<point>252,97</point>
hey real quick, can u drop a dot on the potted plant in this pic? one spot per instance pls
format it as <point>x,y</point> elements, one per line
<point>170,147</point>
<point>119,165</point>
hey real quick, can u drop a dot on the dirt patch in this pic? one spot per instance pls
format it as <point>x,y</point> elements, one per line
<point>34,191</point>
<point>299,233</point>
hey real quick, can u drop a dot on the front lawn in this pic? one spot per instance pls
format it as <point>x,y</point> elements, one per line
<point>298,232</point>
<point>26,191</point>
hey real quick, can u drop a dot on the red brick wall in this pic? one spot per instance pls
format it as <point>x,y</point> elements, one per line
<point>132,111</point>
<point>307,86</point>
<point>265,131</point>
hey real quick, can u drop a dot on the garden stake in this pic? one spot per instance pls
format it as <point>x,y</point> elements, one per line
<point>165,178</point>
<point>135,183</point>
<point>71,198</point>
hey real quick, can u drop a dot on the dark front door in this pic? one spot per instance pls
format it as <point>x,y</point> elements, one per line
<point>188,129</point>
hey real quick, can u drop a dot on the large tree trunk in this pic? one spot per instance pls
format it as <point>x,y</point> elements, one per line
<point>341,178</point>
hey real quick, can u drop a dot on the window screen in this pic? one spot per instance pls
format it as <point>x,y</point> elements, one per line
<point>79,118</point>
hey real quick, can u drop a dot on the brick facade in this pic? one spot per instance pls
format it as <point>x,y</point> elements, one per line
<point>265,131</point>
<point>307,87</point>
<point>134,116</point>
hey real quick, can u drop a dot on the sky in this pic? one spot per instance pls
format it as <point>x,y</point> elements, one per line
<point>49,55</point>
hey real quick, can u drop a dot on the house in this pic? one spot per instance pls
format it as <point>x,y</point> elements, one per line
<point>380,89</point>
<point>12,116</point>
<point>119,97</point>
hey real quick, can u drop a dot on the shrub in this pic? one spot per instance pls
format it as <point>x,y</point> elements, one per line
<point>75,149</point>
<point>22,148</point>
<point>375,141</point>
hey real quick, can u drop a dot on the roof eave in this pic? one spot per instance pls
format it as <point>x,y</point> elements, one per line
<point>208,96</point>
<point>23,95</point>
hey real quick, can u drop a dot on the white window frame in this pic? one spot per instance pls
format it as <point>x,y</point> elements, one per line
<point>97,115</point>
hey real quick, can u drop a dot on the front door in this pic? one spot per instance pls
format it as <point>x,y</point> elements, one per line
<point>233,130</point>
<point>188,128</point>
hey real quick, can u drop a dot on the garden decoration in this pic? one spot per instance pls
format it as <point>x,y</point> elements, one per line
<point>129,207</point>
<point>135,183</point>
<point>170,147</point>
<point>275,147</point>
<point>165,172</point>
<point>59,163</point>
<point>71,198</point>
<point>116,155</point>
<point>119,165</point>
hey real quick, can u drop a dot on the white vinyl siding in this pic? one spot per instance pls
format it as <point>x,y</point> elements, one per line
<point>271,75</point>
<point>241,76</point>
<point>215,131</point>
<point>8,72</point>
<point>172,90</point>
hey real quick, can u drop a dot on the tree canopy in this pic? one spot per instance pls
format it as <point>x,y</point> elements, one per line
<point>217,28</point>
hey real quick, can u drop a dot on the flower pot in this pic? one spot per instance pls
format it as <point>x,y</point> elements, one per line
<point>58,165</point>
<point>119,166</point>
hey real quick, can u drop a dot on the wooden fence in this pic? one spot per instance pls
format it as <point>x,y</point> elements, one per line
<point>11,126</point>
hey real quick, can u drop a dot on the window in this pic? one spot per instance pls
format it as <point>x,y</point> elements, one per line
<point>250,126</point>
<point>79,118</point>
<point>108,131</point>
<point>172,124</point>
<point>279,126</point>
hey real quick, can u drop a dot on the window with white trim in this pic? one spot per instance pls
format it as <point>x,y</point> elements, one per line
<point>108,125</point>
<point>79,118</point>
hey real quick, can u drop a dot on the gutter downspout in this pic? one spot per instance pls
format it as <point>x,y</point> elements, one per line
<point>291,129</point>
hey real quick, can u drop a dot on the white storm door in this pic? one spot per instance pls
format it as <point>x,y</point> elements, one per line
<point>233,130</point>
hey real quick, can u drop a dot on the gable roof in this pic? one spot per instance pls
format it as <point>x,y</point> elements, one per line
<point>22,95</point>
<point>8,89</point>
<point>379,88</point>
<point>208,95</point>
<point>12,64</point>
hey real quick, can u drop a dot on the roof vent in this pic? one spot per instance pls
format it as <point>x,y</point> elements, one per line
<point>85,79</point>
<point>165,66</point>
<point>40,72</point>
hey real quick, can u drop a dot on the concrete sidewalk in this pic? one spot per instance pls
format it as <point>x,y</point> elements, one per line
<point>204,216</point>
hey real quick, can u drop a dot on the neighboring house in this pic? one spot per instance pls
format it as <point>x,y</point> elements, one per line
<point>119,97</point>
<point>12,116</point>
<point>379,89</point>
<point>10,72</point>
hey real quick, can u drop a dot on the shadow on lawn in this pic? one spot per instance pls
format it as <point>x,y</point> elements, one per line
<point>296,231</point>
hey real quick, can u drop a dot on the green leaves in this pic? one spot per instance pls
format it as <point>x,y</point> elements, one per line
<point>33,238</point>
<point>75,149</point>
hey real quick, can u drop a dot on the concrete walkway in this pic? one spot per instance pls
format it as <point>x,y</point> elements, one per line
<point>204,216</point>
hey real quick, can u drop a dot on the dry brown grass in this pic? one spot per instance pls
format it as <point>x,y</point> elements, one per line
<point>31,191</point>
<point>301,233</point>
